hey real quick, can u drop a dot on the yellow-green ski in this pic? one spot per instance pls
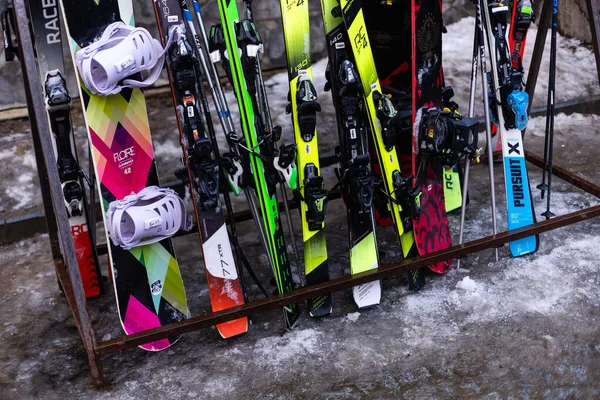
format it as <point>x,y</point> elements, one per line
<point>304,106</point>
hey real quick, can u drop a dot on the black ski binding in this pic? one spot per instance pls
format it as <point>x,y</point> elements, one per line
<point>315,197</point>
<point>389,118</point>
<point>308,107</point>
<point>448,135</point>
<point>11,49</point>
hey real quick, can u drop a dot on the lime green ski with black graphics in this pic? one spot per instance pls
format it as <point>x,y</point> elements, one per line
<point>304,107</point>
<point>238,44</point>
<point>383,123</point>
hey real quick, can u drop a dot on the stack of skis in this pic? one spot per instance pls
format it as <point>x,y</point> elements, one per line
<point>402,142</point>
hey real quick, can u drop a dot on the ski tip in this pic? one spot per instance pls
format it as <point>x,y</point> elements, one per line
<point>159,345</point>
<point>233,328</point>
<point>416,279</point>
<point>441,267</point>
<point>525,246</point>
<point>367,295</point>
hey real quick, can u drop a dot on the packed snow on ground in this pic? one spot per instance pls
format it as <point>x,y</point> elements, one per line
<point>23,186</point>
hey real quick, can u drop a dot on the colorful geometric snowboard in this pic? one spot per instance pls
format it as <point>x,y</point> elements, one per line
<point>148,285</point>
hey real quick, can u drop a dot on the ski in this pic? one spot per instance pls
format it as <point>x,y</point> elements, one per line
<point>505,83</point>
<point>303,108</point>
<point>201,159</point>
<point>522,17</point>
<point>147,281</point>
<point>46,24</point>
<point>236,43</point>
<point>354,173</point>
<point>384,122</point>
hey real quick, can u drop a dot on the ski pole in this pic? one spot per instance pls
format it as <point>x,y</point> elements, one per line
<point>550,111</point>
<point>473,90</point>
<point>488,124</point>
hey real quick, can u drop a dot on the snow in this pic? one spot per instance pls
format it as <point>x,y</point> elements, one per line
<point>467,284</point>
<point>353,317</point>
<point>275,351</point>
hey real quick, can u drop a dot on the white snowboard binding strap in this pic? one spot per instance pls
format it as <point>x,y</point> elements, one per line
<point>121,51</point>
<point>147,217</point>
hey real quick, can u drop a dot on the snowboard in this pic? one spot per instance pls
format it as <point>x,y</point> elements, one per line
<point>431,229</point>
<point>148,285</point>
<point>45,21</point>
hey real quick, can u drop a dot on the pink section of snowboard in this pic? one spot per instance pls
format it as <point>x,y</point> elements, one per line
<point>126,163</point>
<point>138,319</point>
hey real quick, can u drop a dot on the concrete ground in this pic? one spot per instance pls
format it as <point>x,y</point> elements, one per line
<point>516,328</point>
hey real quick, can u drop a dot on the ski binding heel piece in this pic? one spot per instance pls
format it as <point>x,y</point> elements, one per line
<point>120,52</point>
<point>388,117</point>
<point>73,196</point>
<point>57,95</point>
<point>284,162</point>
<point>518,102</point>
<point>147,217</point>
<point>232,165</point>
<point>315,197</point>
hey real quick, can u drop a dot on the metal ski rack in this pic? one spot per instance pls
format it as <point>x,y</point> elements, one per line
<point>65,260</point>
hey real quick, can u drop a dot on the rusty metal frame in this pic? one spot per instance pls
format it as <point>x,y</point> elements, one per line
<point>65,260</point>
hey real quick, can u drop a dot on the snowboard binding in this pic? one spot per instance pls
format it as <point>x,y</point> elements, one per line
<point>147,217</point>
<point>106,65</point>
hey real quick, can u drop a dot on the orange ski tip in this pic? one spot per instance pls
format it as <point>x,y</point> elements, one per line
<point>233,328</point>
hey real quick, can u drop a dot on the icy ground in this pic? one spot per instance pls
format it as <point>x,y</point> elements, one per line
<point>516,328</point>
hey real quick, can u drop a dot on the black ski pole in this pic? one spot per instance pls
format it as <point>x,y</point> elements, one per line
<point>548,153</point>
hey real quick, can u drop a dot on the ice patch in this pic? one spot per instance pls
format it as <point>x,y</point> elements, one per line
<point>467,284</point>
<point>353,317</point>
<point>274,351</point>
<point>538,284</point>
